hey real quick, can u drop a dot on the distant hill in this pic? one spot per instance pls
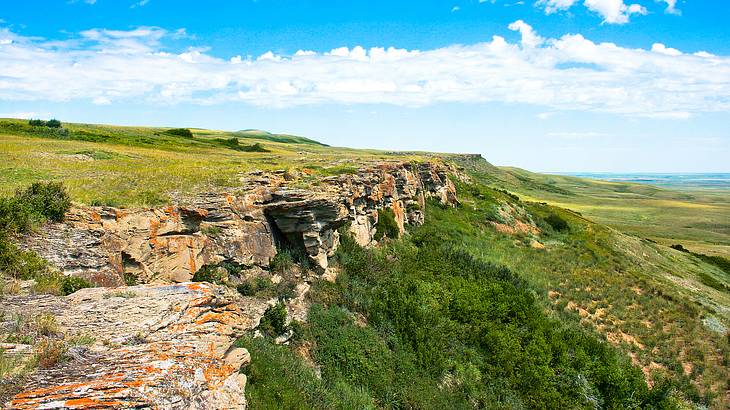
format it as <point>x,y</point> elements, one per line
<point>283,138</point>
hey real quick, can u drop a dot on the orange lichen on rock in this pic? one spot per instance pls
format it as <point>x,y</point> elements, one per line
<point>168,349</point>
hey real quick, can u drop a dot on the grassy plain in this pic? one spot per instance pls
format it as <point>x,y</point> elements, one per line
<point>610,269</point>
<point>699,219</point>
<point>138,166</point>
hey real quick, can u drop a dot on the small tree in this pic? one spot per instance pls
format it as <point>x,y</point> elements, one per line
<point>53,123</point>
<point>49,199</point>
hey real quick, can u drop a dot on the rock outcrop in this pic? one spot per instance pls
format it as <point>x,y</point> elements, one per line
<point>170,244</point>
<point>157,346</point>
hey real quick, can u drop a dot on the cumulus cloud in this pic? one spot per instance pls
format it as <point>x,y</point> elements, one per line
<point>570,72</point>
<point>529,37</point>
<point>671,7</point>
<point>553,6</point>
<point>612,11</point>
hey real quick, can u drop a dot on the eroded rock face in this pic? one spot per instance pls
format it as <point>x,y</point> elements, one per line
<point>157,346</point>
<point>169,244</point>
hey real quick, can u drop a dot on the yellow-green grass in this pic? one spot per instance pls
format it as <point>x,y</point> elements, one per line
<point>135,166</point>
<point>698,219</point>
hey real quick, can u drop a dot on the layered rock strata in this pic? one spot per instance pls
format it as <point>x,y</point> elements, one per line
<point>170,244</point>
<point>156,346</point>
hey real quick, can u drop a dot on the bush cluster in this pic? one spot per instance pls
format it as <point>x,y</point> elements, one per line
<point>180,132</point>
<point>386,227</point>
<point>20,214</point>
<point>52,123</point>
<point>557,222</point>
<point>273,323</point>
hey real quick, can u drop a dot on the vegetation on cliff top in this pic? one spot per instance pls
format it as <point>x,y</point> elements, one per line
<point>142,166</point>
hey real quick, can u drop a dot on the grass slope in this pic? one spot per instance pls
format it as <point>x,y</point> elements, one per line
<point>140,166</point>
<point>668,310</point>
<point>699,219</point>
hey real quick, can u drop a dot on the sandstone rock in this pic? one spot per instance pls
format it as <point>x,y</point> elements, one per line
<point>170,244</point>
<point>159,346</point>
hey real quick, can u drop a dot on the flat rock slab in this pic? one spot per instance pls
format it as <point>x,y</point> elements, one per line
<point>157,346</point>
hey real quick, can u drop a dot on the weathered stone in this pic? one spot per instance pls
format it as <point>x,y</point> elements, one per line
<point>157,346</point>
<point>170,244</point>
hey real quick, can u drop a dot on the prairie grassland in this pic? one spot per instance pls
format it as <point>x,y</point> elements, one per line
<point>698,219</point>
<point>136,166</point>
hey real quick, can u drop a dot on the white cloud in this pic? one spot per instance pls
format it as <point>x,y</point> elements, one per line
<point>671,7</point>
<point>22,115</point>
<point>612,11</point>
<point>529,37</point>
<point>553,6</point>
<point>455,9</point>
<point>662,49</point>
<point>556,74</point>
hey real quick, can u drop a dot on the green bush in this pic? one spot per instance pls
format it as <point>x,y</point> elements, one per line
<point>211,274</point>
<point>46,198</point>
<point>557,222</point>
<point>257,147</point>
<point>53,123</point>
<point>273,323</point>
<point>18,263</point>
<point>282,262</point>
<point>386,225</point>
<point>19,215</point>
<point>234,143</point>
<point>180,132</point>
<point>278,379</point>
<point>436,313</point>
<point>70,284</point>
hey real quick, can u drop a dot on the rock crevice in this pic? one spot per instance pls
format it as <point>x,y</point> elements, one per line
<point>170,244</point>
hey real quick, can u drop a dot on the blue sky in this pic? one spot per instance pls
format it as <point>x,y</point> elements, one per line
<point>547,85</point>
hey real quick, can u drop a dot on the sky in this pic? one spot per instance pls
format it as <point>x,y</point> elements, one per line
<point>545,85</point>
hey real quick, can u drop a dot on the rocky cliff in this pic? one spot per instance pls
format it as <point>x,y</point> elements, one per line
<point>169,343</point>
<point>245,226</point>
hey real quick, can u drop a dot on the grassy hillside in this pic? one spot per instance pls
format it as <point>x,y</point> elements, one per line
<point>698,219</point>
<point>129,166</point>
<point>538,291</point>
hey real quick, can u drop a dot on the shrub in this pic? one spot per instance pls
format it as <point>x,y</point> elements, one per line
<point>273,323</point>
<point>253,148</point>
<point>70,284</point>
<point>130,279</point>
<point>46,198</point>
<point>234,143</point>
<point>180,132</point>
<point>211,274</point>
<point>18,263</point>
<point>17,217</point>
<point>386,226</point>
<point>279,379</point>
<point>679,247</point>
<point>49,352</point>
<point>53,123</point>
<point>282,262</point>
<point>557,222</point>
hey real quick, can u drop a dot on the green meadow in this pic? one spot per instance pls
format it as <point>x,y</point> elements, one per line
<point>536,291</point>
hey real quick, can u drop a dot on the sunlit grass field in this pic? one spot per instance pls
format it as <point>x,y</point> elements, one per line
<point>612,270</point>
<point>696,218</point>
<point>137,166</point>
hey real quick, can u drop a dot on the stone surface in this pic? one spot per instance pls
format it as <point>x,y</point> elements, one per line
<point>157,346</point>
<point>170,244</point>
